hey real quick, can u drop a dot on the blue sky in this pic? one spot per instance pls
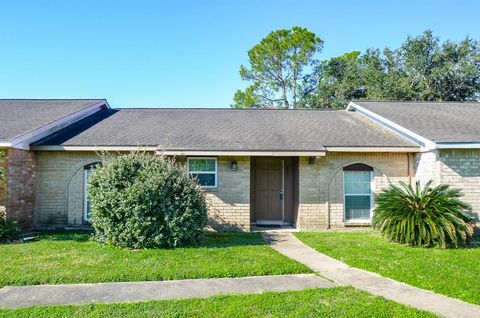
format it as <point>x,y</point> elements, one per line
<point>188,53</point>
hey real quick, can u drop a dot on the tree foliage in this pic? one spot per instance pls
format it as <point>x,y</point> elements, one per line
<point>421,69</point>
<point>432,216</point>
<point>284,72</point>
<point>3,155</point>
<point>9,229</point>
<point>144,201</point>
<point>277,68</point>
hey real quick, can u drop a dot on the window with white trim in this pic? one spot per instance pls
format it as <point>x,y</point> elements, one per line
<point>87,171</point>
<point>358,200</point>
<point>204,170</point>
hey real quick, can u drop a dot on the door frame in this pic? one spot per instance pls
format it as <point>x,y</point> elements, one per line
<point>289,186</point>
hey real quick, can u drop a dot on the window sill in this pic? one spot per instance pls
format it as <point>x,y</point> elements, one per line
<point>210,189</point>
<point>357,223</point>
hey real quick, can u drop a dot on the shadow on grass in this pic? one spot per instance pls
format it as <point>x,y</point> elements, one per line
<point>212,239</point>
<point>72,236</point>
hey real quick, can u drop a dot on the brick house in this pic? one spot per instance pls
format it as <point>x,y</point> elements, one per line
<point>313,169</point>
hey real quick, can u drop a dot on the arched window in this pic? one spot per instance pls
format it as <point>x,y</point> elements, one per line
<point>87,171</point>
<point>357,185</point>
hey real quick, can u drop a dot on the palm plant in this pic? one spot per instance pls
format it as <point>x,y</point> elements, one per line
<point>432,216</point>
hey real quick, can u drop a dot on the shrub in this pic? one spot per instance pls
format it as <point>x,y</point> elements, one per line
<point>143,201</point>
<point>432,216</point>
<point>8,229</point>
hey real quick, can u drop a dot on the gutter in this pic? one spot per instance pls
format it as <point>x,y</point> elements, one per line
<point>458,145</point>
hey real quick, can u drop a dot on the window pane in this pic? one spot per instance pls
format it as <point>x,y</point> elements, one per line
<point>88,172</point>
<point>357,182</point>
<point>204,179</point>
<point>357,207</point>
<point>201,165</point>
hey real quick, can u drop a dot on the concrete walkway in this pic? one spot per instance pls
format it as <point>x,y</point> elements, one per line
<point>342,274</point>
<point>76,294</point>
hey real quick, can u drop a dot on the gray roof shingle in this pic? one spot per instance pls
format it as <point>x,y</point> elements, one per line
<point>21,116</point>
<point>227,130</point>
<point>437,121</point>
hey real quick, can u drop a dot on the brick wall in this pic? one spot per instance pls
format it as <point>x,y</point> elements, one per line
<point>3,178</point>
<point>427,167</point>
<point>457,167</point>
<point>59,188</point>
<point>461,168</point>
<point>321,184</point>
<point>60,197</point>
<point>19,186</point>
<point>229,204</point>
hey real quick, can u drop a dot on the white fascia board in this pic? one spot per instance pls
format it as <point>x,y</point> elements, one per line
<point>402,131</point>
<point>373,149</point>
<point>24,141</point>
<point>181,152</point>
<point>244,153</point>
<point>94,148</point>
<point>458,145</point>
<point>5,144</point>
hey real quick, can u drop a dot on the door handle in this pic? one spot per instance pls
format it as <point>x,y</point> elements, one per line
<point>281,195</point>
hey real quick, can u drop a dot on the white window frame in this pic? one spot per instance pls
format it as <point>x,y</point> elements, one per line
<point>85,194</point>
<point>204,172</point>
<point>357,194</point>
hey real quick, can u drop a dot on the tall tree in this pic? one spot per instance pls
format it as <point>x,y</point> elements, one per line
<point>277,68</point>
<point>422,68</point>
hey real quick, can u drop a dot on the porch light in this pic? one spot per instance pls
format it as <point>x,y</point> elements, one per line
<point>233,165</point>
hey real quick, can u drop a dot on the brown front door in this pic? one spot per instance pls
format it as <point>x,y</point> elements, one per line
<point>268,190</point>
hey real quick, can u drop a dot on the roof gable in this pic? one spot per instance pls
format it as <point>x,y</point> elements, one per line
<point>437,122</point>
<point>27,120</point>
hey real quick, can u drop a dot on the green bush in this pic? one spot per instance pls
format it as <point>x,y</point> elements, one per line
<point>8,229</point>
<point>144,201</point>
<point>432,216</point>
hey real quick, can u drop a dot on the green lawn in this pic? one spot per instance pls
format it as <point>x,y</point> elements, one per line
<point>73,258</point>
<point>332,302</point>
<point>452,272</point>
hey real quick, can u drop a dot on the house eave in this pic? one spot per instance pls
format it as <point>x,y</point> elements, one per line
<point>243,153</point>
<point>92,148</point>
<point>25,140</point>
<point>425,143</point>
<point>270,153</point>
<point>373,149</point>
<point>458,145</point>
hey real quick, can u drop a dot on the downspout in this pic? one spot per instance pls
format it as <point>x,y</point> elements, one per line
<point>409,167</point>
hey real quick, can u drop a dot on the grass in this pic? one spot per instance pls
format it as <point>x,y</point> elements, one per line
<point>73,258</point>
<point>452,272</point>
<point>332,302</point>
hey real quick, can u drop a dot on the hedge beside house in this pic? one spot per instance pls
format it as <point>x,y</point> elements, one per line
<point>144,201</point>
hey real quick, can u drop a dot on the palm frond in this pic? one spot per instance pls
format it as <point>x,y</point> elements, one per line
<point>428,216</point>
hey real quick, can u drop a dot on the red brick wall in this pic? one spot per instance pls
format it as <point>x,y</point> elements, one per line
<point>20,181</point>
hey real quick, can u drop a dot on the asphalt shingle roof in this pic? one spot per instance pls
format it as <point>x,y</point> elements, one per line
<point>21,116</point>
<point>227,130</point>
<point>436,121</point>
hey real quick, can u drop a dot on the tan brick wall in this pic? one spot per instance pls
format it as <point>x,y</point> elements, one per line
<point>59,188</point>
<point>321,184</point>
<point>60,198</point>
<point>461,168</point>
<point>19,196</point>
<point>229,204</point>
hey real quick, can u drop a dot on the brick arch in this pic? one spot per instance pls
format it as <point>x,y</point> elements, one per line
<point>332,194</point>
<point>74,192</point>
